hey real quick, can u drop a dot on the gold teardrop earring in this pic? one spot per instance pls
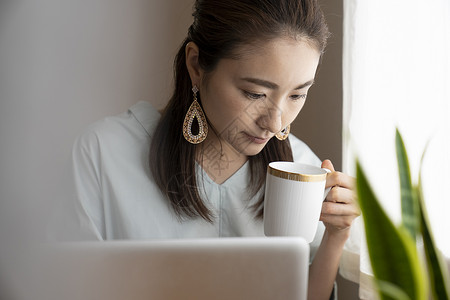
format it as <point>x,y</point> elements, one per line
<point>283,134</point>
<point>195,111</point>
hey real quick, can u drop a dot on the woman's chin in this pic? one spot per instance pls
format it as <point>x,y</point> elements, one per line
<point>251,149</point>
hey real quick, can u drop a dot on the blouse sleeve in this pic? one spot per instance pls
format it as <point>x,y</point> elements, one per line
<point>80,215</point>
<point>86,172</point>
<point>302,153</point>
<point>99,157</point>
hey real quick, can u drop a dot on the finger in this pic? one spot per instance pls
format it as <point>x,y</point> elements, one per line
<point>340,179</point>
<point>340,222</point>
<point>341,195</point>
<point>339,209</point>
<point>327,164</point>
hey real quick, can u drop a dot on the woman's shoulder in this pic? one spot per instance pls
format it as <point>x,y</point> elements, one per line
<point>138,122</point>
<point>146,115</point>
<point>302,153</point>
<point>121,136</point>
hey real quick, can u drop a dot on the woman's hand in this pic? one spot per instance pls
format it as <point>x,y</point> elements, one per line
<point>340,207</point>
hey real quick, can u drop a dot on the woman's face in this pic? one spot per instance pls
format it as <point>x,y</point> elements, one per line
<point>250,99</point>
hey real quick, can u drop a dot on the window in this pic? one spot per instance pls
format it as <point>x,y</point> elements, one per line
<point>396,73</point>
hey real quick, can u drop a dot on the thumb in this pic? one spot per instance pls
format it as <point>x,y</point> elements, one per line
<point>328,165</point>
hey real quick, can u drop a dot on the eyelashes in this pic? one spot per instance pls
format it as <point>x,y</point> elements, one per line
<point>254,96</point>
<point>298,97</point>
<point>258,96</point>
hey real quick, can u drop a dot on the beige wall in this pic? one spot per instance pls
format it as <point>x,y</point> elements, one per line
<point>320,121</point>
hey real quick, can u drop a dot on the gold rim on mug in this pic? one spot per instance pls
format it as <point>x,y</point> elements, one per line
<point>296,176</point>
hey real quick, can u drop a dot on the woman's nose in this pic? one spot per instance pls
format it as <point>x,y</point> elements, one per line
<point>270,119</point>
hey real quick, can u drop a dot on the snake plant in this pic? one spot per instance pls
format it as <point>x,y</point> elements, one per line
<point>402,268</point>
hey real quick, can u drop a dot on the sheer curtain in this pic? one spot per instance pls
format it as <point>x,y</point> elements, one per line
<point>396,73</point>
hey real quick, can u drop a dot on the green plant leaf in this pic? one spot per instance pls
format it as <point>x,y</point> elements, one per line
<point>392,250</point>
<point>391,290</point>
<point>410,216</point>
<point>437,270</point>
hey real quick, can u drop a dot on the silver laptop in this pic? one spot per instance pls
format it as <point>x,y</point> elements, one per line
<point>200,269</point>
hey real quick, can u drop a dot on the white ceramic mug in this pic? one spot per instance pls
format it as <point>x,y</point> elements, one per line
<point>293,199</point>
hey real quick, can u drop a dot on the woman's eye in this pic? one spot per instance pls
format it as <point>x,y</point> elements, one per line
<point>254,96</point>
<point>298,97</point>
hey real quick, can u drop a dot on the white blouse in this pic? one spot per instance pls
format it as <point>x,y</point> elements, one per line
<point>114,195</point>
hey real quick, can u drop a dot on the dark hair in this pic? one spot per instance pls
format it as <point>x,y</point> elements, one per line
<point>219,28</point>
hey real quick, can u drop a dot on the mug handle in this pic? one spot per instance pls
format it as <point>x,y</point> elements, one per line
<point>327,190</point>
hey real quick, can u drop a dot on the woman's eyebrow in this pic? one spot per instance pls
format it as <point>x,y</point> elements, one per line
<point>306,84</point>
<point>274,86</point>
<point>262,82</point>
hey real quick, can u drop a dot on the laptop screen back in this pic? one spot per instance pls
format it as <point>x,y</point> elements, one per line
<point>225,268</point>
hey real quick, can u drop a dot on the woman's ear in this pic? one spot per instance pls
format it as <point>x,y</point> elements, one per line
<point>193,67</point>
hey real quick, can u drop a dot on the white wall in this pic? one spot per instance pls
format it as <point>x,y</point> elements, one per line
<point>63,65</point>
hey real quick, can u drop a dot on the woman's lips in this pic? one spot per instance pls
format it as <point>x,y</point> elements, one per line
<point>256,140</point>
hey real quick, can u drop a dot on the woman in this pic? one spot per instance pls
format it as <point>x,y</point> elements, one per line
<point>198,169</point>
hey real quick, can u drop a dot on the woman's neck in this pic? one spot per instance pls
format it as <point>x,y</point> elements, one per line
<point>219,159</point>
